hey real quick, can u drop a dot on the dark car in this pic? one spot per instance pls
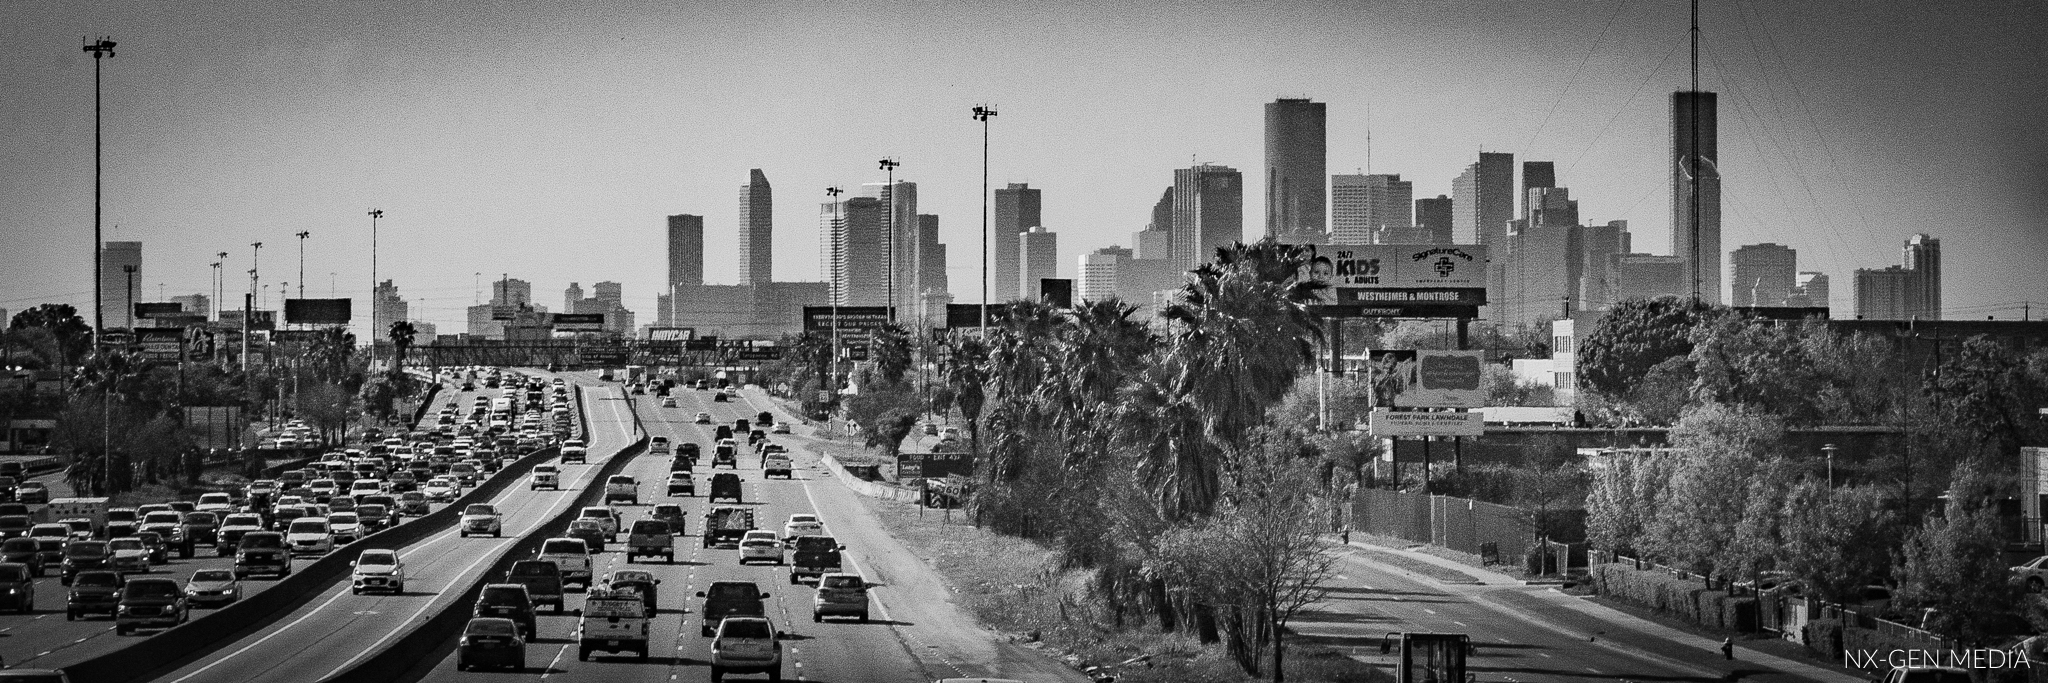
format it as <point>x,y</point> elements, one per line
<point>507,601</point>
<point>150,602</point>
<point>14,526</point>
<point>673,514</point>
<point>490,642</point>
<point>82,556</point>
<point>25,552</point>
<point>17,587</point>
<point>93,592</point>
<point>765,418</point>
<point>689,450</point>
<point>591,532</point>
<point>731,599</point>
<point>201,527</point>
<point>33,492</point>
<point>159,552</point>
<point>722,433</point>
<point>814,556</point>
<point>542,579</point>
<point>51,552</point>
<point>741,426</point>
<point>262,552</point>
<point>725,485</point>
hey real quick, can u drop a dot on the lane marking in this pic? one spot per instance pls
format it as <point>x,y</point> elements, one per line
<point>1431,611</point>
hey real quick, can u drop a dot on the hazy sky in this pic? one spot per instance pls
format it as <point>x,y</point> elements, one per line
<point>549,140</point>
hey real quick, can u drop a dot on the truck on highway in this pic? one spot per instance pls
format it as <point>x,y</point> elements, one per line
<point>612,622</point>
<point>725,525</point>
<point>774,464</point>
<point>815,556</point>
<point>651,537</point>
<point>94,509</point>
<point>621,488</point>
<point>724,485</point>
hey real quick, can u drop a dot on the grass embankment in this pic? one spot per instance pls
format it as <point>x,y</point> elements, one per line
<point>1008,585</point>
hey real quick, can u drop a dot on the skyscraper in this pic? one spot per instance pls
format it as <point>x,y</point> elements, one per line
<point>1434,215</point>
<point>1296,151</point>
<point>1922,255</point>
<point>1813,287</point>
<point>1538,257</point>
<point>757,231</point>
<point>686,249</point>
<point>116,301</point>
<point>1483,200</point>
<point>1016,210</point>
<point>511,291</point>
<point>899,204</point>
<point>1911,291</point>
<point>1590,250</point>
<point>860,246</point>
<point>1365,207</point>
<point>1099,271</point>
<point>932,287</point>
<point>1695,172</point>
<point>1765,274</point>
<point>1039,258</point>
<point>391,308</point>
<point>1208,212</point>
<point>1536,174</point>
<point>570,296</point>
<point>1156,240</point>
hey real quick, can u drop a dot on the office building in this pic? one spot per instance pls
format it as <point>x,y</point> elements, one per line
<point>1695,172</point>
<point>757,230</point>
<point>1156,240</point>
<point>1911,291</point>
<point>686,249</point>
<point>1646,276</point>
<point>511,291</point>
<point>1363,207</point>
<point>766,311</point>
<point>1099,270</point>
<point>1296,152</point>
<point>1208,212</point>
<point>1922,254</point>
<point>899,209</point>
<point>570,296</point>
<point>1483,200</point>
<point>1016,210</point>
<point>390,307</point>
<point>1536,174</point>
<point>1812,291</point>
<point>1038,250</point>
<point>117,297</point>
<point>192,304</point>
<point>607,299</point>
<point>1538,258</point>
<point>860,245</point>
<point>1764,274</point>
<point>932,282</point>
<point>1434,215</point>
<point>1590,251</point>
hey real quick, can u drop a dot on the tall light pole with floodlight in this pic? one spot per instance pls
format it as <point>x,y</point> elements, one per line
<point>983,114</point>
<point>129,294</point>
<point>374,215</point>
<point>100,49</point>
<point>889,164</point>
<point>302,262</point>
<point>838,231</point>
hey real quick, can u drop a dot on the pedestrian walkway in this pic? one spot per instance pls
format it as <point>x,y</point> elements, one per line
<point>1584,618</point>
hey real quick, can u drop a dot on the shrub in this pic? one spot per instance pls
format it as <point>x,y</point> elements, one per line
<point>1824,638</point>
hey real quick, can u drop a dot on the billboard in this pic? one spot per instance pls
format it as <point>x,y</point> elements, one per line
<point>199,342</point>
<point>969,315</point>
<point>613,355</point>
<point>258,320</point>
<point>1440,379</point>
<point>671,333</point>
<point>579,322</point>
<point>1352,270</point>
<point>1385,422</point>
<point>144,309</point>
<point>760,353</point>
<point>1058,292</point>
<point>865,318</point>
<point>316,311</point>
<point>160,344</point>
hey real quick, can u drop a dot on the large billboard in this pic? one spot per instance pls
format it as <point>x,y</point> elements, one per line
<point>148,309</point>
<point>819,318</point>
<point>671,333</point>
<point>1440,379</point>
<point>317,311</point>
<point>579,322</point>
<point>259,320</point>
<point>1385,422</point>
<point>160,343</point>
<point>1398,279</point>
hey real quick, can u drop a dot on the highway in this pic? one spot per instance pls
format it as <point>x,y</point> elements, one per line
<point>888,649</point>
<point>335,629</point>
<point>45,639</point>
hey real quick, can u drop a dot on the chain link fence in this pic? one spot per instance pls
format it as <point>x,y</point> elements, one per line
<point>1460,524</point>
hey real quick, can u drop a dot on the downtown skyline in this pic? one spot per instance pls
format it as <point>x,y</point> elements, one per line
<point>559,161</point>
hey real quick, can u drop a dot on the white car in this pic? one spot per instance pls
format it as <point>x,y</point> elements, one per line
<point>760,545</point>
<point>309,536</point>
<point>481,519</point>
<point>779,428</point>
<point>703,418</point>
<point>2033,575</point>
<point>746,645</point>
<point>219,503</point>
<point>378,569</point>
<point>345,527</point>
<point>322,488</point>
<point>604,516</point>
<point>802,525</point>
<point>213,587</point>
<point>365,487</point>
<point>441,489</point>
<point>545,477</point>
<point>571,556</point>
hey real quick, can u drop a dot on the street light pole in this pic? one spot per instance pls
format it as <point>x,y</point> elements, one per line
<point>983,114</point>
<point>374,215</point>
<point>837,231</point>
<point>100,50</point>
<point>302,263</point>
<point>889,164</point>
<point>1830,451</point>
<point>216,291</point>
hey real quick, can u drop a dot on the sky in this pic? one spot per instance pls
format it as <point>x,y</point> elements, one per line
<point>549,140</point>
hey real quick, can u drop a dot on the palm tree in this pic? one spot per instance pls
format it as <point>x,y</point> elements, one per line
<point>1243,333</point>
<point>401,341</point>
<point>331,351</point>
<point>964,368</point>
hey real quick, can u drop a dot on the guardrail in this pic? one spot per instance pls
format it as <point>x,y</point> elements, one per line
<point>186,643</point>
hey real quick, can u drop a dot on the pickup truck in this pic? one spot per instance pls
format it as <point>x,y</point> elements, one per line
<point>542,579</point>
<point>725,485</point>
<point>814,556</point>
<point>726,524</point>
<point>651,537</point>
<point>774,464</point>
<point>621,488</point>
<point>612,622</point>
<point>571,556</point>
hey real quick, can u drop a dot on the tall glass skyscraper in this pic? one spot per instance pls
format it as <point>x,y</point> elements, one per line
<point>1695,170</point>
<point>1296,157</point>
<point>757,231</point>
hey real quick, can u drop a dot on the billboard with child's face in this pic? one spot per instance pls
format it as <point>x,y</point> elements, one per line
<point>1399,277</point>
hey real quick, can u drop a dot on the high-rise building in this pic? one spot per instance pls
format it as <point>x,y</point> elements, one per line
<point>1695,169</point>
<point>1016,210</point>
<point>511,291</point>
<point>1208,212</point>
<point>1483,200</point>
<point>1590,249</point>
<point>1536,174</point>
<point>1156,240</point>
<point>1099,270</point>
<point>1765,274</point>
<point>117,300</point>
<point>1296,153</point>
<point>1922,254</point>
<point>686,249</point>
<point>769,311</point>
<point>757,230</point>
<point>1039,258</point>
<point>1538,258</point>
<point>191,304</point>
<point>1646,276</point>
<point>391,308</point>
<point>570,296</point>
<point>609,293</point>
<point>1812,290</point>
<point>1364,207</point>
<point>1434,215</point>
<point>932,284</point>
<point>899,210</point>
<point>859,243</point>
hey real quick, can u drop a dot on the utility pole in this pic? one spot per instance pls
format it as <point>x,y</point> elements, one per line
<point>374,215</point>
<point>889,164</point>
<point>837,231</point>
<point>983,114</point>
<point>129,293</point>
<point>102,49</point>
<point>216,290</point>
<point>302,262</point>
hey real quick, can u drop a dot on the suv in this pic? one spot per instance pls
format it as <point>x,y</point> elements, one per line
<point>25,552</point>
<point>480,519</point>
<point>658,445</point>
<point>673,514</point>
<point>651,537</point>
<point>263,552</point>
<point>378,569</point>
<point>612,622</point>
<point>93,592</point>
<point>746,645</point>
<point>621,488</point>
<point>572,555</point>
<point>508,601</point>
<point>147,603</point>
<point>730,599</point>
<point>233,528</point>
<point>545,477</point>
<point>774,464</point>
<point>813,556</point>
<point>681,484</point>
<point>20,585</point>
<point>725,453</point>
<point>840,595</point>
<point>542,580</point>
<point>724,485</point>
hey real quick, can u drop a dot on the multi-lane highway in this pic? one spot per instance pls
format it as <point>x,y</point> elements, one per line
<point>46,639</point>
<point>337,629</point>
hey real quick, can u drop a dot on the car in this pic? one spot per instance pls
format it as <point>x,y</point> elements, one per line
<point>931,429</point>
<point>413,503</point>
<point>213,587</point>
<point>590,531</point>
<point>481,519</point>
<point>673,514</point>
<point>802,524</point>
<point>216,502</point>
<point>668,401</point>
<point>233,528</point>
<point>840,594</point>
<point>33,492</point>
<point>50,551</point>
<point>93,592</point>
<point>128,555</point>
<point>779,428</point>
<point>467,472</point>
<point>952,433</point>
<point>571,555</point>
<point>746,645</point>
<point>199,527</point>
<point>603,515</point>
<point>703,418</point>
<point>542,580</point>
<point>25,552</point>
<point>84,555</point>
<point>149,603</point>
<point>760,545</point>
<point>442,489</point>
<point>724,485</point>
<point>544,477</point>
<point>322,489</point>
<point>378,569</point>
<point>17,586</point>
<point>159,552</point>
<point>491,642</point>
<point>2033,574</point>
<point>725,453</point>
<point>264,552</point>
<point>576,454</point>
<point>681,484</point>
<point>635,581</point>
<point>50,530</point>
<point>345,527</point>
<point>375,516</point>
<point>309,536</point>
<point>730,599</point>
<point>364,487</point>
